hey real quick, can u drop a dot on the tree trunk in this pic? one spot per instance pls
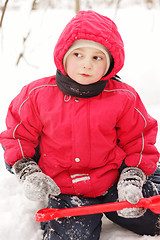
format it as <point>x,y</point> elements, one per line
<point>77,6</point>
<point>117,7</point>
<point>3,12</point>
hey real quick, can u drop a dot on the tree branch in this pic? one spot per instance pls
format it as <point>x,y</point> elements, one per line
<point>3,12</point>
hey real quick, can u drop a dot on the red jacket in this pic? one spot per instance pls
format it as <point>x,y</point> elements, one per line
<point>84,141</point>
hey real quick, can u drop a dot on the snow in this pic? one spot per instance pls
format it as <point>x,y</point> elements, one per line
<point>140,31</point>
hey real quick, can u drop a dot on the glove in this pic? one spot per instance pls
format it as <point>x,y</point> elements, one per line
<point>130,188</point>
<point>36,185</point>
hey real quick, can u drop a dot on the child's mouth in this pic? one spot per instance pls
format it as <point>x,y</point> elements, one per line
<point>85,75</point>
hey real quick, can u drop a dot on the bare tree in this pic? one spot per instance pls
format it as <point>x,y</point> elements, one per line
<point>25,38</point>
<point>21,55</point>
<point>3,12</point>
<point>77,6</point>
<point>117,7</point>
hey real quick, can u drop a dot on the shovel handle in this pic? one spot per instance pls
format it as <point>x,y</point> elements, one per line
<point>47,214</point>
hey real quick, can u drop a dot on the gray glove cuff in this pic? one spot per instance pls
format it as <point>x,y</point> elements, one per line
<point>36,185</point>
<point>132,175</point>
<point>24,168</point>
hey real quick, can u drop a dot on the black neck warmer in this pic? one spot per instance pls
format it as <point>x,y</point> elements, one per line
<point>72,88</point>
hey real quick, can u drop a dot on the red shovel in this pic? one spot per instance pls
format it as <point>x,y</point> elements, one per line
<point>47,214</point>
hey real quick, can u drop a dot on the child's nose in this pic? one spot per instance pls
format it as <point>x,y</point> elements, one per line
<point>87,64</point>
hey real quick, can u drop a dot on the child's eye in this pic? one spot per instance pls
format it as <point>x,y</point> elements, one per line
<point>77,54</point>
<point>97,57</point>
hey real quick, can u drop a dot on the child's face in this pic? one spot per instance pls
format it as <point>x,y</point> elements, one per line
<point>86,65</point>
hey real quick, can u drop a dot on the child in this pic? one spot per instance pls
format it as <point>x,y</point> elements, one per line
<point>83,137</point>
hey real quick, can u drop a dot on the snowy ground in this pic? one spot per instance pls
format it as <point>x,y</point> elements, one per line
<point>140,29</point>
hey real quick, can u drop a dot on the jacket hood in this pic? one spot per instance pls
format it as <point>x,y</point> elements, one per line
<point>92,26</point>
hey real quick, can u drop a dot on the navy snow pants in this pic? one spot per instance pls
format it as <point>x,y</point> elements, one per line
<point>88,227</point>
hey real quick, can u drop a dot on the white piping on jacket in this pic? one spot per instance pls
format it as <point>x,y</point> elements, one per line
<point>143,117</point>
<point>16,129</point>
<point>141,153</point>
<point>19,110</point>
<point>21,148</point>
<point>126,90</point>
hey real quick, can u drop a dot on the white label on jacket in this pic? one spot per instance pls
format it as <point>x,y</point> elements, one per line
<point>80,177</point>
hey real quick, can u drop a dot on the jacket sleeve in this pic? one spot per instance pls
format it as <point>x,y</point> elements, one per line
<point>136,133</point>
<point>23,128</point>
